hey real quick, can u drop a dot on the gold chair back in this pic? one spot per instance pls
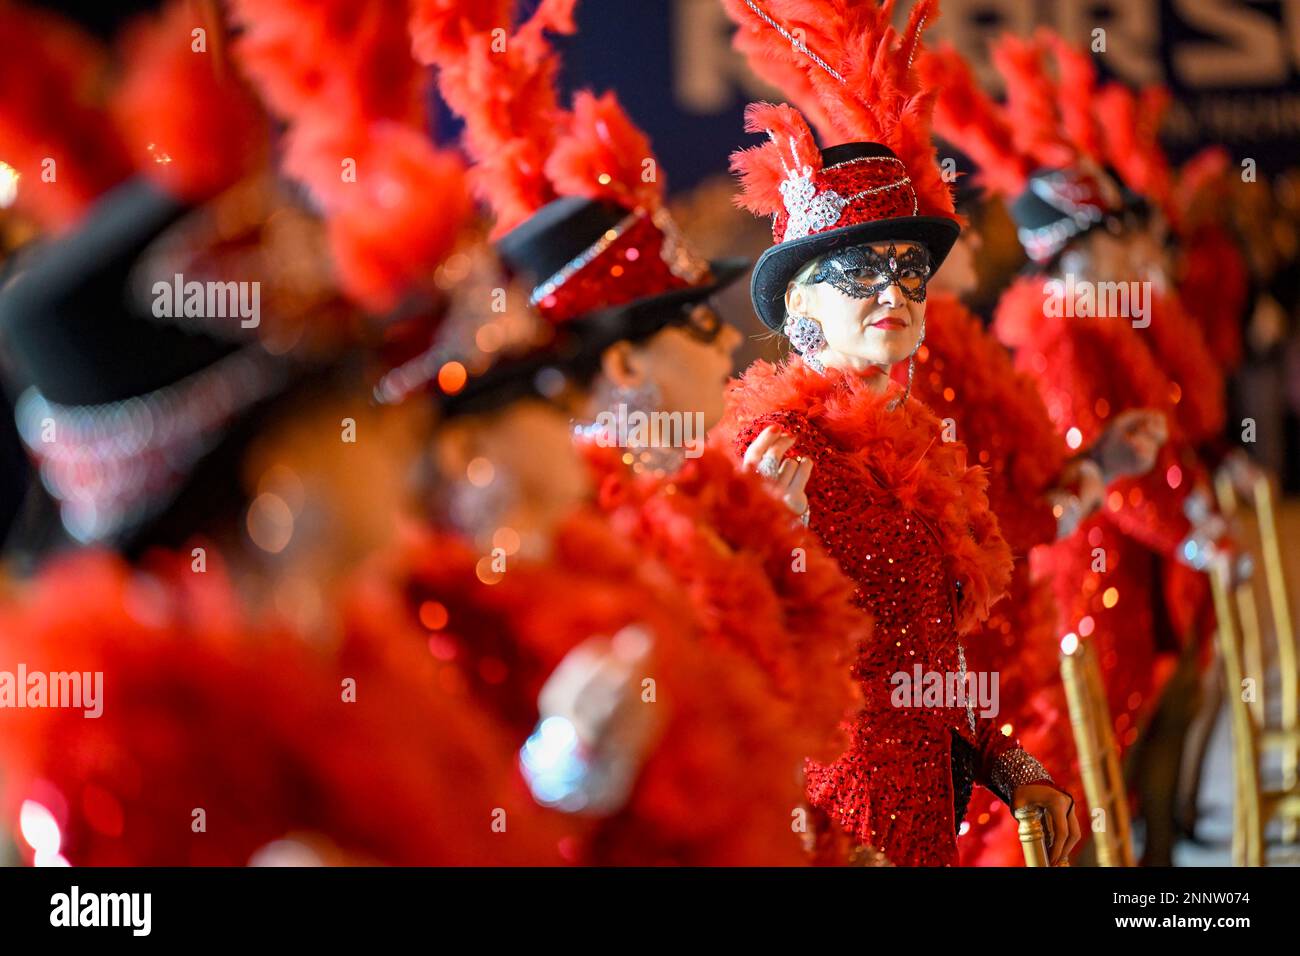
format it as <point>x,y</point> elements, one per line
<point>1099,763</point>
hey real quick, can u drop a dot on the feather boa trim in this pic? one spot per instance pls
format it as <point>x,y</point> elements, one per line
<point>903,449</point>
<point>964,373</point>
<point>760,581</point>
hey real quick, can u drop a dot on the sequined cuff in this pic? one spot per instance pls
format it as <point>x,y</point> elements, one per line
<point>1013,769</point>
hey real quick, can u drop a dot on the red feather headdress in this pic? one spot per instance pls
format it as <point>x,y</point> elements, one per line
<point>187,117</point>
<point>51,74</point>
<point>1132,122</point>
<point>1046,120</point>
<point>527,148</point>
<point>340,73</point>
<point>968,117</point>
<point>1033,100</point>
<point>854,75</point>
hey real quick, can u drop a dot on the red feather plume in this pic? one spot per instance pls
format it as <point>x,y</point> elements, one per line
<point>1032,98</point>
<point>1077,76</point>
<point>1132,123</point>
<point>762,169</point>
<point>186,115</point>
<point>50,71</point>
<point>504,88</point>
<point>340,73</point>
<point>968,117</point>
<point>602,154</point>
<point>769,57</point>
<point>876,96</point>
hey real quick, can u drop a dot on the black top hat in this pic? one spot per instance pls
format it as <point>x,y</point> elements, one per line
<point>121,386</point>
<point>870,198</point>
<point>68,317</point>
<point>598,273</point>
<point>1056,208</point>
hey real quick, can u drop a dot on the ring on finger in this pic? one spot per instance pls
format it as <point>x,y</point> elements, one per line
<point>769,466</point>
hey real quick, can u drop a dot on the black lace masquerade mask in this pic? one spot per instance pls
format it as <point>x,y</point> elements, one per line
<point>863,273</point>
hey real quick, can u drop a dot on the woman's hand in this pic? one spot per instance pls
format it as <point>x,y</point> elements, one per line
<point>788,476</point>
<point>1130,445</point>
<point>1065,830</point>
<point>597,689</point>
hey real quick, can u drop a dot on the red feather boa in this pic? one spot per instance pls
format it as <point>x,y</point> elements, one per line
<point>903,448</point>
<point>206,707</point>
<point>732,545</point>
<point>720,784</point>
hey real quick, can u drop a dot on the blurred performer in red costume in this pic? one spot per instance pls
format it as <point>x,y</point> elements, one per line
<point>1210,266</point>
<point>565,603</point>
<point>1094,361</point>
<point>223,718</point>
<point>859,229</point>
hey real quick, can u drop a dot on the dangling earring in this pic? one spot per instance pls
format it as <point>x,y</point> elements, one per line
<point>477,511</point>
<point>622,404</point>
<point>806,338</point>
<point>911,368</point>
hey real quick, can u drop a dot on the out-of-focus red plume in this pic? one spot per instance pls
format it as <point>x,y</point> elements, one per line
<point>58,142</point>
<point>503,85</point>
<point>1077,86</point>
<point>1201,180</point>
<point>317,60</point>
<point>1032,100</point>
<point>762,169</point>
<point>861,71</point>
<point>1132,125</point>
<point>968,118</point>
<point>602,154</point>
<point>186,115</point>
<point>401,215</point>
<point>340,73</point>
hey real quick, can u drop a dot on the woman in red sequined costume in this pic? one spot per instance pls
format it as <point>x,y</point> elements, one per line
<point>968,379</point>
<point>892,499</point>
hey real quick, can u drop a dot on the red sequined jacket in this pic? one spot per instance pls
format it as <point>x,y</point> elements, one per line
<point>909,522</point>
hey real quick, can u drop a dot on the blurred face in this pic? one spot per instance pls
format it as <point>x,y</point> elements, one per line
<point>958,276</point>
<point>869,301</point>
<point>517,469</point>
<point>1146,249</point>
<point>688,364</point>
<point>1102,256</point>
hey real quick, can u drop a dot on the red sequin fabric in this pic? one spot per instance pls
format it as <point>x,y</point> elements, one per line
<point>643,260</point>
<point>856,191</point>
<point>909,523</point>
